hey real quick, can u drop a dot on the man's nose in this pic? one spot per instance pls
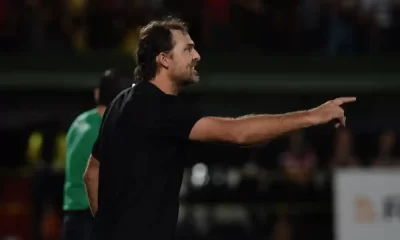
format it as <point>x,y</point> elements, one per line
<point>196,56</point>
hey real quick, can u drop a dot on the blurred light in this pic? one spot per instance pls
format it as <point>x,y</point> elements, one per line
<point>227,214</point>
<point>10,238</point>
<point>320,179</point>
<point>201,218</point>
<point>199,175</point>
<point>182,213</point>
<point>60,152</point>
<point>264,179</point>
<point>218,176</point>
<point>185,182</point>
<point>233,178</point>
<point>35,144</point>
<point>107,73</point>
<point>250,169</point>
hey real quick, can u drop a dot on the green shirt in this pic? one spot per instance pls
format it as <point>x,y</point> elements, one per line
<point>80,139</point>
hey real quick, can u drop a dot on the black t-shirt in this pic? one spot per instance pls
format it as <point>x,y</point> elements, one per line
<point>141,149</point>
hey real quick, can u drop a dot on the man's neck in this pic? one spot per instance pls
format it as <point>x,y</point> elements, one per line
<point>166,85</point>
<point>100,110</point>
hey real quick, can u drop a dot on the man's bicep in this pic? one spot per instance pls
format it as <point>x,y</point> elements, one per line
<point>212,129</point>
<point>93,164</point>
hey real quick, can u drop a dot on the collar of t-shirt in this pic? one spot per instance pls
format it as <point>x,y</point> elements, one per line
<point>149,87</point>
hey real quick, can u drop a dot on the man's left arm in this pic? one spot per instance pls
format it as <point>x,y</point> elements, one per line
<point>91,178</point>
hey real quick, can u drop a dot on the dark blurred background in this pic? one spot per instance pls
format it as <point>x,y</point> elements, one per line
<point>258,56</point>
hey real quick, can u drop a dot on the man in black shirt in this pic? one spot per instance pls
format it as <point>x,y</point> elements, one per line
<point>145,131</point>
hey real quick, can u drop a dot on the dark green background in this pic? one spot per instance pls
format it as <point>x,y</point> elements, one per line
<point>221,73</point>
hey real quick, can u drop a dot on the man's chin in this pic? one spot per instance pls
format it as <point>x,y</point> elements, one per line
<point>190,81</point>
<point>195,79</point>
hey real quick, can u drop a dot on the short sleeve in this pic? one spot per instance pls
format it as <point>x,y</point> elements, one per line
<point>179,121</point>
<point>97,146</point>
<point>96,149</point>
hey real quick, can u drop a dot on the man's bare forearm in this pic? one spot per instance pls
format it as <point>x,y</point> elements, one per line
<point>92,191</point>
<point>91,178</point>
<point>258,129</point>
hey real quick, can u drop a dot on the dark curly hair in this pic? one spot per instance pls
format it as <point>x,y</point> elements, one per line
<point>155,38</point>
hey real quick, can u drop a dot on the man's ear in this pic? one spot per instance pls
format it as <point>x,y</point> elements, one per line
<point>163,60</point>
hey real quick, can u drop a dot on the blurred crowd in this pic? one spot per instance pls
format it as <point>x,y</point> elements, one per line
<point>327,27</point>
<point>281,191</point>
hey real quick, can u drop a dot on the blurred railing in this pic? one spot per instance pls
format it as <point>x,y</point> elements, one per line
<point>220,72</point>
<point>213,62</point>
<point>206,211</point>
<point>254,204</point>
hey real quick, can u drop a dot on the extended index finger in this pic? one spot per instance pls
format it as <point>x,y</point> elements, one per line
<point>343,100</point>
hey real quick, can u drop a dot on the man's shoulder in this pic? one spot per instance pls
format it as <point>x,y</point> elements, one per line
<point>85,121</point>
<point>136,100</point>
<point>86,115</point>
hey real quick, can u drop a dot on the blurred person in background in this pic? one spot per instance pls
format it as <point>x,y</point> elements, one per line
<point>47,181</point>
<point>311,15</point>
<point>104,24</point>
<point>394,34</point>
<point>216,28</point>
<point>42,26</point>
<point>282,29</point>
<point>2,19</point>
<point>299,161</point>
<point>344,27</point>
<point>242,13</point>
<point>80,138</point>
<point>343,154</point>
<point>75,24</point>
<point>378,18</point>
<point>282,229</point>
<point>386,150</point>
